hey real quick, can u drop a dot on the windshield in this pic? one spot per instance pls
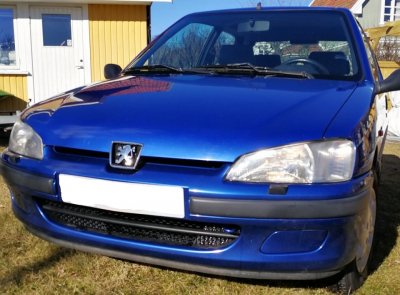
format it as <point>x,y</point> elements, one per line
<point>314,42</point>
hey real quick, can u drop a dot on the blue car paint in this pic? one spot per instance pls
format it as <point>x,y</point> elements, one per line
<point>358,118</point>
<point>282,115</point>
<point>335,252</point>
<point>263,119</point>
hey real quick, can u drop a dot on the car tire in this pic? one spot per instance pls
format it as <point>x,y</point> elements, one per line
<point>351,280</point>
<point>351,277</point>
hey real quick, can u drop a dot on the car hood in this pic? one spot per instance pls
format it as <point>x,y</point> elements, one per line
<point>198,117</point>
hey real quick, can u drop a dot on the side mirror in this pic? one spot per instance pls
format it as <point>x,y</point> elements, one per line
<point>391,83</point>
<point>112,71</point>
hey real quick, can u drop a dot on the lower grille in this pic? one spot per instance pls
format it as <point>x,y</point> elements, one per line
<point>167,231</point>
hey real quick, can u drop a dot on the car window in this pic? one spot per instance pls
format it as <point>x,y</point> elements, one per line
<point>371,56</point>
<point>286,51</point>
<point>183,49</point>
<point>224,39</point>
<point>316,42</point>
<point>371,59</point>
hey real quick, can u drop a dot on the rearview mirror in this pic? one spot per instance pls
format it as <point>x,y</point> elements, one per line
<point>112,71</point>
<point>253,26</point>
<point>391,83</point>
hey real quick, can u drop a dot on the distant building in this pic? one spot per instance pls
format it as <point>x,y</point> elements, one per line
<point>370,13</point>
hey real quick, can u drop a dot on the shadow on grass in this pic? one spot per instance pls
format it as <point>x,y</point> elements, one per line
<point>388,211</point>
<point>327,283</point>
<point>18,274</point>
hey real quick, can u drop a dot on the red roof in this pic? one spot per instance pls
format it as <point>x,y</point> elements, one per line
<point>335,3</point>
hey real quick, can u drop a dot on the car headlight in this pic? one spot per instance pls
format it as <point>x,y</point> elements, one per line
<point>308,162</point>
<point>25,141</point>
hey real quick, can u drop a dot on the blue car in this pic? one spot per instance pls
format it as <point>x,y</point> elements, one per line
<point>243,143</point>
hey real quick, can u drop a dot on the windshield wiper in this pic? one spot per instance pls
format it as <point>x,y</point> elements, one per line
<point>165,68</point>
<point>155,68</point>
<point>248,67</point>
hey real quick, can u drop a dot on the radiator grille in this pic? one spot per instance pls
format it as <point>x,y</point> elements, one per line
<point>143,160</point>
<point>168,231</point>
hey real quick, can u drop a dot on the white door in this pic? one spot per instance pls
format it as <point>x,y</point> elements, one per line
<point>57,50</point>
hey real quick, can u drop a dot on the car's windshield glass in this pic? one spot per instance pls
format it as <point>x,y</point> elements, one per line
<point>314,42</point>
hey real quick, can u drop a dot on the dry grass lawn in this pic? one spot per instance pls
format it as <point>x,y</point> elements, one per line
<point>29,265</point>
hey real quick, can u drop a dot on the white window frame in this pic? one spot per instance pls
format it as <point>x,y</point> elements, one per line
<point>392,10</point>
<point>16,67</point>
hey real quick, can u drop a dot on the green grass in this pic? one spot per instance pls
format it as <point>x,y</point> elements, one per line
<point>29,265</point>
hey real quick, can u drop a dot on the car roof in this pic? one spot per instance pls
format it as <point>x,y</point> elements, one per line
<point>276,8</point>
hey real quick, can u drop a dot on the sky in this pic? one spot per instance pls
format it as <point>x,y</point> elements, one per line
<point>165,14</point>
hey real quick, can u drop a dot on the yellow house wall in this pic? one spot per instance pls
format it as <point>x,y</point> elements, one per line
<point>16,85</point>
<point>117,34</point>
<point>388,67</point>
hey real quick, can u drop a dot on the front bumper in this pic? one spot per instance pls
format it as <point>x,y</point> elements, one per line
<point>219,271</point>
<point>312,232</point>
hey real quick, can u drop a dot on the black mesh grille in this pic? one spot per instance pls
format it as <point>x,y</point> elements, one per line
<point>167,231</point>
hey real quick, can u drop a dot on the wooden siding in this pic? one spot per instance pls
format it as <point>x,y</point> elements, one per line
<point>388,67</point>
<point>117,34</point>
<point>18,86</point>
<point>371,14</point>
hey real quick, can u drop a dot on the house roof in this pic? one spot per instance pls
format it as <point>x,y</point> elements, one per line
<point>354,5</point>
<point>334,3</point>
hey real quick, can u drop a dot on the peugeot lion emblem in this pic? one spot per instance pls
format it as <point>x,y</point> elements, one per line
<point>125,155</point>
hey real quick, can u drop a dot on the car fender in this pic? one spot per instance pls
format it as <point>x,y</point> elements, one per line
<point>358,121</point>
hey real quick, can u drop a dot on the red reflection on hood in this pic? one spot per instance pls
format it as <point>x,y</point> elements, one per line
<point>130,85</point>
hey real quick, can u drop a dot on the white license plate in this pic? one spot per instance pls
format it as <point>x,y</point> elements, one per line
<point>158,200</point>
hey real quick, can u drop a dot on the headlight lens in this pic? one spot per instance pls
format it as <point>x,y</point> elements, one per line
<point>309,162</point>
<point>25,141</point>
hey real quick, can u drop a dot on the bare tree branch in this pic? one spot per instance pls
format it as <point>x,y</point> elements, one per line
<point>8,42</point>
<point>388,49</point>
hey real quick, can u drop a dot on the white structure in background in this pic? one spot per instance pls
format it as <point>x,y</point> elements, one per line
<point>394,117</point>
